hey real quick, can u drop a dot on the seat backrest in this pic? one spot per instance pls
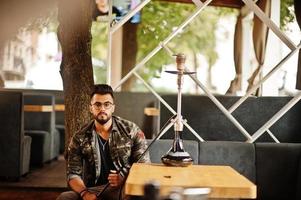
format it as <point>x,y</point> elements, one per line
<point>11,133</point>
<point>39,120</point>
<point>277,170</point>
<point>211,124</point>
<point>287,129</point>
<point>131,106</point>
<point>207,119</point>
<point>161,147</point>
<point>238,155</point>
<point>298,187</point>
<point>43,121</point>
<point>59,114</point>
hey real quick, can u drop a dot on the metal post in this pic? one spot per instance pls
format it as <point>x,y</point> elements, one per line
<point>109,50</point>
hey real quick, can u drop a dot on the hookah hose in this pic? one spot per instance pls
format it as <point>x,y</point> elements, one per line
<point>120,167</point>
<point>103,190</point>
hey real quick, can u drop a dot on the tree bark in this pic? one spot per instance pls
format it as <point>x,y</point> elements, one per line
<point>75,19</point>
<point>129,52</point>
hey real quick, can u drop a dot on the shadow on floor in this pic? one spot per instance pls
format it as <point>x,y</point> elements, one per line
<point>42,183</point>
<point>27,194</point>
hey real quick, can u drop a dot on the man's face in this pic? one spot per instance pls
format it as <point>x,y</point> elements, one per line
<point>102,107</point>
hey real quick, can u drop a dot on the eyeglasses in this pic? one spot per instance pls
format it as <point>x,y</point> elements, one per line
<point>106,105</point>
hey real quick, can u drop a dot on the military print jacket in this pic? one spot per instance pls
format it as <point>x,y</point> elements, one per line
<point>126,146</point>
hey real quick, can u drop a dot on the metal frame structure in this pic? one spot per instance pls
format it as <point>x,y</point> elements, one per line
<point>250,4</point>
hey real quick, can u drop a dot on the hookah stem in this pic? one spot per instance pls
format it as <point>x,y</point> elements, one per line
<point>179,115</point>
<point>180,59</point>
<point>178,128</point>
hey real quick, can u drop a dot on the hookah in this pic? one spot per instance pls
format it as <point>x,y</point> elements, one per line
<point>177,156</point>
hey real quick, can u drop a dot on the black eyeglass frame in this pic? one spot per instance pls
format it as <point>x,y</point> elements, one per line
<point>106,105</point>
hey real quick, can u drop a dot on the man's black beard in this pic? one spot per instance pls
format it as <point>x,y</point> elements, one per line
<point>102,121</point>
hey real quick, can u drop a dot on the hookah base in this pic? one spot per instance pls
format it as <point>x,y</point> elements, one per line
<point>177,159</point>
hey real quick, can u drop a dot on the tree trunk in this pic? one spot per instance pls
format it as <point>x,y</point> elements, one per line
<point>76,67</point>
<point>129,52</point>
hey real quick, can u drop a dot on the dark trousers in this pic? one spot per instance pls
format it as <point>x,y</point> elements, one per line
<point>110,193</point>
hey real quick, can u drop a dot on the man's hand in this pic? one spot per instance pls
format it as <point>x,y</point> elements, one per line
<point>89,196</point>
<point>114,178</point>
<point>78,186</point>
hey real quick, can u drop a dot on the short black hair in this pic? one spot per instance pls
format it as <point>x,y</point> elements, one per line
<point>102,89</point>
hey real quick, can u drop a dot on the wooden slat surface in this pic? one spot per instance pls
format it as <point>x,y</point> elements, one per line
<point>38,108</point>
<point>59,107</point>
<point>151,111</point>
<point>223,181</point>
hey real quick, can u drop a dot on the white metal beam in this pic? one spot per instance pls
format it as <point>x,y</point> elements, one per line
<point>272,136</point>
<point>198,3</point>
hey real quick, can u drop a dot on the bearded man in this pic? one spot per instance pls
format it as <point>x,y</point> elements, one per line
<point>101,153</point>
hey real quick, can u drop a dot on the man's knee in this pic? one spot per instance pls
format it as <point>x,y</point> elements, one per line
<point>70,195</point>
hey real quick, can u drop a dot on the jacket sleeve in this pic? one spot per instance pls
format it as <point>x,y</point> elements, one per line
<point>74,159</point>
<point>139,148</point>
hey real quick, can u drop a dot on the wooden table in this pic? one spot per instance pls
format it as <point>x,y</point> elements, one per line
<point>223,181</point>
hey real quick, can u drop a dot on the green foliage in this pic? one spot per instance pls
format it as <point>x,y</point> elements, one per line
<point>159,19</point>
<point>286,12</point>
<point>199,37</point>
<point>99,45</point>
<point>99,74</point>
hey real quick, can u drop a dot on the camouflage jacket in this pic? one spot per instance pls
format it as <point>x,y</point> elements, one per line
<point>126,145</point>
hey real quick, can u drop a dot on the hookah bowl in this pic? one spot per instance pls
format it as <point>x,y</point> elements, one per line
<point>177,156</point>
